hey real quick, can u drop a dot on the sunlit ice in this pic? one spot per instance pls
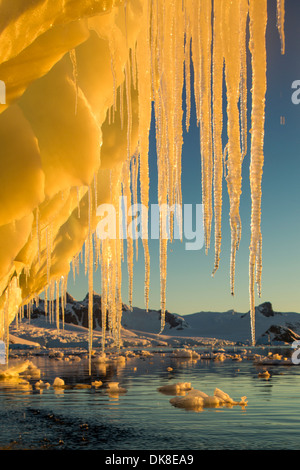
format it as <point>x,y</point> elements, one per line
<point>108,66</point>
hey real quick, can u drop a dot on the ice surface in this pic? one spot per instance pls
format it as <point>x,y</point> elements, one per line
<point>174,389</point>
<point>197,400</point>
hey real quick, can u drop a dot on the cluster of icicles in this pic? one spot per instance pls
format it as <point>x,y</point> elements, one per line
<point>209,36</point>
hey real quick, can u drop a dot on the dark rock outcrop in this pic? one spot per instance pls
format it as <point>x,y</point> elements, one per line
<point>76,312</point>
<point>279,334</point>
<point>266,309</point>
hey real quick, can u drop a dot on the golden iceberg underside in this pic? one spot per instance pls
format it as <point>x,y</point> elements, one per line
<point>56,62</point>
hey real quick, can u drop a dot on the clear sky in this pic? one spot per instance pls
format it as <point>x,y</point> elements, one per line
<point>190,286</point>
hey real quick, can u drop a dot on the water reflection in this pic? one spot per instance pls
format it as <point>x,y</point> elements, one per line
<point>143,412</point>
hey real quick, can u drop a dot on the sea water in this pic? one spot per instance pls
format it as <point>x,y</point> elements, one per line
<point>142,418</point>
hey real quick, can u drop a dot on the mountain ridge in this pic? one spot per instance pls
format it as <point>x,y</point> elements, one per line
<point>271,327</point>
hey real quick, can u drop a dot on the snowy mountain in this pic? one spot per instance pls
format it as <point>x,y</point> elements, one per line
<point>271,327</point>
<point>76,312</point>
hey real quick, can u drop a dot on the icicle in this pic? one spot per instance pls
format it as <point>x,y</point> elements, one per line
<point>6,324</point>
<point>179,42</point>
<point>133,66</point>
<point>134,178</point>
<point>113,72</point>
<point>258,20</point>
<point>86,257</point>
<point>280,23</point>
<point>89,248</point>
<point>258,265</point>
<point>243,82</point>
<point>187,69</point>
<point>218,64</point>
<point>29,309</point>
<point>51,293</point>
<point>72,55</point>
<point>125,21</point>
<point>231,34</point>
<point>95,190</point>
<point>46,303</point>
<point>126,185</point>
<point>38,235</point>
<point>104,281</point>
<point>48,251</point>
<point>12,301</point>
<point>205,115</point>
<point>78,201</point>
<point>73,268</point>
<point>57,305</point>
<point>129,107</point>
<point>63,301</point>
<point>121,94</point>
<point>143,57</point>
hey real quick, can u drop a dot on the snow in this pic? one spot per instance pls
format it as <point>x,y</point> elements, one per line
<point>140,330</point>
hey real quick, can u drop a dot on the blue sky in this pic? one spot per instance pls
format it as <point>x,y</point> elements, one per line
<point>190,286</point>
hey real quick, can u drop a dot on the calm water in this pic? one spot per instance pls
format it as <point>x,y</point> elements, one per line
<point>143,418</point>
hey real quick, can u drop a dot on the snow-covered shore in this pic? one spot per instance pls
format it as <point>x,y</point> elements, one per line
<point>141,328</point>
<point>41,334</point>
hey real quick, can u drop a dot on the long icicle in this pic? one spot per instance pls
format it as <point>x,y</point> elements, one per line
<point>258,21</point>
<point>205,115</point>
<point>90,261</point>
<point>217,79</point>
<point>280,23</point>
<point>143,55</point>
<point>231,34</point>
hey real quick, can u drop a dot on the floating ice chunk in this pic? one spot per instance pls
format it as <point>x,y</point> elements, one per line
<point>186,353</point>
<point>197,393</point>
<point>174,389</point>
<point>212,401</point>
<point>223,396</point>
<point>58,382</point>
<point>277,357</point>
<point>118,358</point>
<point>189,401</point>
<point>113,387</point>
<point>227,399</point>
<point>196,399</point>
<point>15,370</point>
<point>220,357</point>
<point>82,386</point>
<point>41,384</point>
<point>146,353</point>
<point>237,357</point>
<point>270,360</point>
<point>265,374</point>
<point>56,355</point>
<point>99,358</point>
<point>97,383</point>
<point>32,372</point>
